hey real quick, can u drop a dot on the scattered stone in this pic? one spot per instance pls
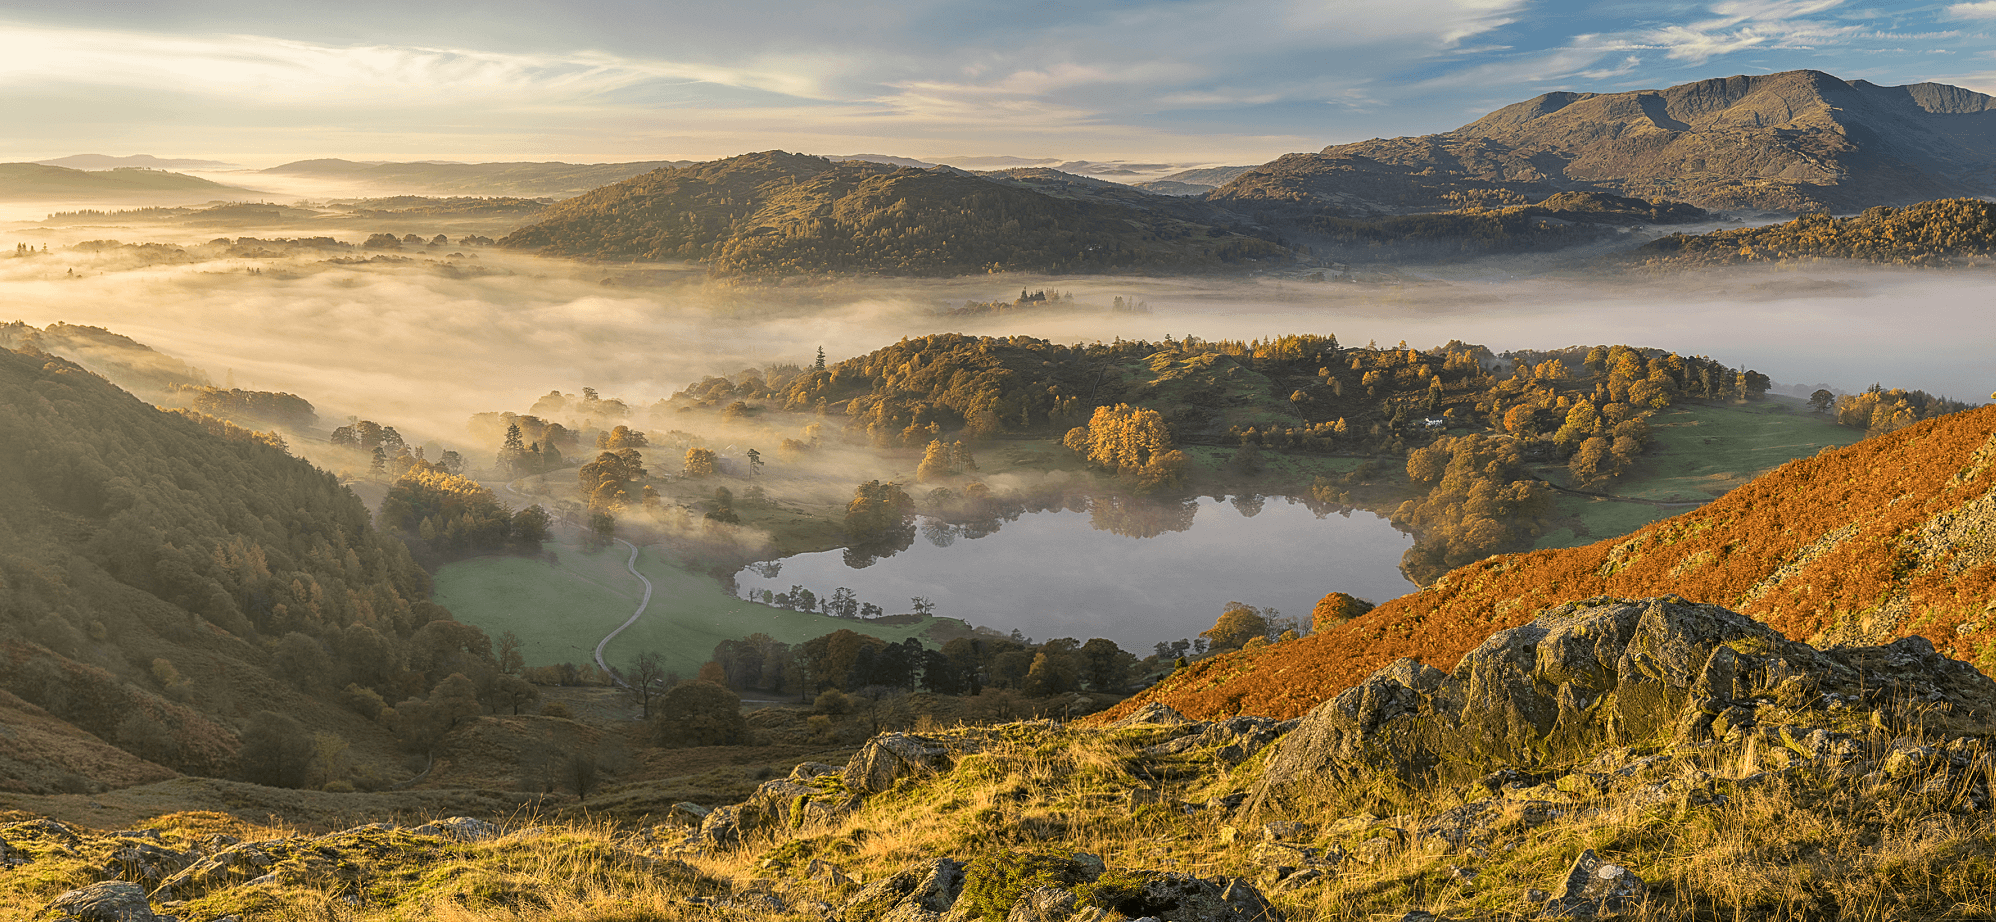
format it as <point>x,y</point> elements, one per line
<point>806,771</point>
<point>1153,714</point>
<point>1284,831</point>
<point>1042,904</point>
<point>110,901</point>
<point>144,863</point>
<point>1593,888</point>
<point>688,813</point>
<point>826,872</point>
<point>458,829</point>
<point>1300,879</point>
<point>921,892</point>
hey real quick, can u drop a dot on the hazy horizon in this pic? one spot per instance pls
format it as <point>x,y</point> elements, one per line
<point>1147,82</point>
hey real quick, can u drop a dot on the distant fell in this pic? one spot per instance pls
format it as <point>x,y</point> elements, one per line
<point>1787,142</point>
<point>144,161</point>
<point>1891,537</point>
<point>776,213</point>
<point>35,181</point>
<point>527,179</point>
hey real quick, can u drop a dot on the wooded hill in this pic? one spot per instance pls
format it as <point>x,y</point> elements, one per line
<point>1891,537</point>
<point>1472,494</point>
<point>1940,233</point>
<point>1792,142</point>
<point>180,594</point>
<point>777,213</point>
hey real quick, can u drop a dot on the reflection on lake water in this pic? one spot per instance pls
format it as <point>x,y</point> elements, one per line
<point>1136,572</point>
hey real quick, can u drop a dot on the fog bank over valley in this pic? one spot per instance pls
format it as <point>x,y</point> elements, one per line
<point>428,336</point>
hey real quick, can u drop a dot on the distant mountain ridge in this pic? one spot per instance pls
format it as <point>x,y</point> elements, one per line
<point>528,179</point>
<point>1787,142</point>
<point>143,161</point>
<point>36,181</point>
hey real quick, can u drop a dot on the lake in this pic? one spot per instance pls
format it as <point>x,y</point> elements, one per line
<point>1065,574</point>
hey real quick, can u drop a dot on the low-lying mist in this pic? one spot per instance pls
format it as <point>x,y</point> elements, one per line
<point>423,344</point>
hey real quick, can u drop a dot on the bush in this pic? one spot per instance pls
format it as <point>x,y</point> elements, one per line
<point>699,713</point>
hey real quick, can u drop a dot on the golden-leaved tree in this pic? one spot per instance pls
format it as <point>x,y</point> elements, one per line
<point>1130,442</point>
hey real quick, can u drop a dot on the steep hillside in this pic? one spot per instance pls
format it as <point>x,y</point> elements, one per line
<point>1792,141</point>
<point>1892,537</point>
<point>779,213</point>
<point>130,364</point>
<point>523,179</point>
<point>165,578</point>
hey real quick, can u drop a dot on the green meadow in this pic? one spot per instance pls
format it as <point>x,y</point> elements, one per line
<point>559,611</point>
<point>1698,454</point>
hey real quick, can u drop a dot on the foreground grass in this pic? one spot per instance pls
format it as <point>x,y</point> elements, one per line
<point>1745,833</point>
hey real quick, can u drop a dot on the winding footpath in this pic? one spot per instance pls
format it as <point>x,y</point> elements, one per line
<point>643,603</point>
<point>631,565</point>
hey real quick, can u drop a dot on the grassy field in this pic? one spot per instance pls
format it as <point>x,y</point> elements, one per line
<point>560,611</point>
<point>1699,452</point>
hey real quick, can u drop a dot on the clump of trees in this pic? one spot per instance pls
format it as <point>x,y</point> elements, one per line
<point>1879,410</point>
<point>614,480</point>
<point>879,522</point>
<point>452,516</point>
<point>1480,501</point>
<point>1131,443</point>
<point>289,411</point>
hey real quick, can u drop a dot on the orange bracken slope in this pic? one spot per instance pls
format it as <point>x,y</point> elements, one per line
<point>1892,536</point>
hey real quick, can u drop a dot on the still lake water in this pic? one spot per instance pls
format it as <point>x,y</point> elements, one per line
<point>1056,574</point>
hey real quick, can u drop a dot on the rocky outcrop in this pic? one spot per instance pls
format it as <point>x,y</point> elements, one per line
<point>921,892</point>
<point>890,757</point>
<point>1610,673</point>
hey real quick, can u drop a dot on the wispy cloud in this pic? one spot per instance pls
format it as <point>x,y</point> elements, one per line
<point>1986,9</point>
<point>1744,25</point>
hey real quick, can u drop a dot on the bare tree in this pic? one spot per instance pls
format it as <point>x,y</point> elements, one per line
<point>580,773</point>
<point>644,681</point>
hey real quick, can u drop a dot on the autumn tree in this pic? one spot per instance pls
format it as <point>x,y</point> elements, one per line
<point>700,462</point>
<point>935,462</point>
<point>1237,624</point>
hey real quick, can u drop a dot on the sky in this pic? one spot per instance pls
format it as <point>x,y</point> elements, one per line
<point>1145,81</point>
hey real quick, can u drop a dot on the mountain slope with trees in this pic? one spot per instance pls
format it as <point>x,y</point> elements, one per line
<point>187,591</point>
<point>1793,142</point>
<point>1889,538</point>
